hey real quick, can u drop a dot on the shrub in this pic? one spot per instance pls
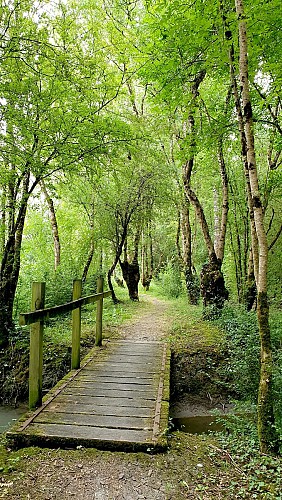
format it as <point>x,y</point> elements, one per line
<point>243,348</point>
<point>170,281</point>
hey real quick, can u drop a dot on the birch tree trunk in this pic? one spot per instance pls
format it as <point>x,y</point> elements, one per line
<point>266,429</point>
<point>3,220</point>
<point>253,265</point>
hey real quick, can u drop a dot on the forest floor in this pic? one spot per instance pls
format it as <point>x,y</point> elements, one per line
<point>194,467</point>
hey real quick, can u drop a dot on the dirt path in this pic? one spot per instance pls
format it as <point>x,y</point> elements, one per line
<point>152,325</point>
<point>89,474</point>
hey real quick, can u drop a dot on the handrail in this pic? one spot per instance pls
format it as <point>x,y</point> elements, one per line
<point>50,312</point>
<point>36,318</point>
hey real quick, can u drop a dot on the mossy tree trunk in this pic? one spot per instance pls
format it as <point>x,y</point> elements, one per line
<point>266,430</point>
<point>131,276</point>
<point>213,288</point>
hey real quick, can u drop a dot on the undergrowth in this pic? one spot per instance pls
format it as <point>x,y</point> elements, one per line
<point>243,360</point>
<point>260,474</point>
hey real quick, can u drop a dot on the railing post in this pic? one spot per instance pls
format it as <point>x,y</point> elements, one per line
<point>99,312</point>
<point>76,326</point>
<point>36,348</point>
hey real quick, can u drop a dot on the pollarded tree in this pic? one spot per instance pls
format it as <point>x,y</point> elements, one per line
<point>122,202</point>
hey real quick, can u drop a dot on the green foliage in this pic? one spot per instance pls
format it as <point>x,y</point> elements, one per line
<point>170,281</point>
<point>260,475</point>
<point>243,362</point>
<point>242,341</point>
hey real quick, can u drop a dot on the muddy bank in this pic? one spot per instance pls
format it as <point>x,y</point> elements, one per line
<point>200,383</point>
<point>14,369</point>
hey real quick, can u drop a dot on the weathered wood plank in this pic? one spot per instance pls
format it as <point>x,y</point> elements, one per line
<point>125,368</point>
<point>111,386</point>
<point>92,408</point>
<point>114,401</point>
<point>89,433</point>
<point>137,359</point>
<point>95,420</point>
<point>154,352</point>
<point>90,376</point>
<point>110,393</point>
<point>106,401</point>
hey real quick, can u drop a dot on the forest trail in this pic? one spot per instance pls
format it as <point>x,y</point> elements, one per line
<point>90,474</point>
<point>150,325</point>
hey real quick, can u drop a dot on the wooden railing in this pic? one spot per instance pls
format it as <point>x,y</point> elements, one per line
<point>36,318</point>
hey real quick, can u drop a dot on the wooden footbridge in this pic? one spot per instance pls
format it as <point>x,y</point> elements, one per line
<point>117,399</point>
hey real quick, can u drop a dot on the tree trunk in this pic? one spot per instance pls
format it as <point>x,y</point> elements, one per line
<point>220,241</point>
<point>266,422</point>
<point>117,259</point>
<point>147,258</point>
<point>54,225</point>
<point>10,265</point>
<point>131,276</point>
<point>3,220</point>
<point>250,284</point>
<point>92,246</point>
<point>131,271</point>
<point>213,288</point>
<point>145,276</point>
<point>266,430</point>
<point>191,279</point>
<point>89,259</point>
<point>212,282</point>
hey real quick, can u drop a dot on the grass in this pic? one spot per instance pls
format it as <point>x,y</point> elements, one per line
<point>188,329</point>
